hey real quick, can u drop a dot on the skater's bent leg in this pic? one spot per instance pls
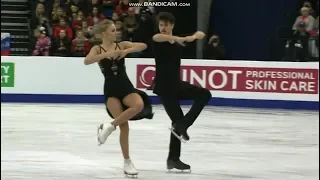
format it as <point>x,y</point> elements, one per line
<point>201,97</point>
<point>175,113</point>
<point>135,105</point>
<point>172,108</point>
<point>115,108</point>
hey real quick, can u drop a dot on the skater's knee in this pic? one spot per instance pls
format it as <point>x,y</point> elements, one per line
<point>138,106</point>
<point>206,95</point>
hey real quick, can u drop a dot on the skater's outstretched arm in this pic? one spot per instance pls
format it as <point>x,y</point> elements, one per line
<point>169,38</point>
<point>181,40</point>
<point>132,47</point>
<point>166,38</point>
<point>199,35</point>
<point>196,36</point>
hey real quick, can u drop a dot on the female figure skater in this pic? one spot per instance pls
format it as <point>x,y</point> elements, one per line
<point>123,101</point>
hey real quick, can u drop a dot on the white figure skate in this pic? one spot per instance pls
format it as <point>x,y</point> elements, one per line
<point>129,169</point>
<point>104,131</point>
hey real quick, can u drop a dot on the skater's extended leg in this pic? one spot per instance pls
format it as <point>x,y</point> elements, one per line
<point>116,109</point>
<point>124,137</point>
<point>200,95</point>
<point>174,111</point>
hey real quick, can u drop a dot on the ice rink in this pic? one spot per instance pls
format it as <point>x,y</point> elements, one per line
<point>58,142</point>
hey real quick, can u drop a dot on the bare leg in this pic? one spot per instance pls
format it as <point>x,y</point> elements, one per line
<point>115,107</point>
<point>135,105</point>
<point>124,139</point>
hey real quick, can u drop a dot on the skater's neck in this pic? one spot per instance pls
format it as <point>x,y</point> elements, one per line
<point>107,43</point>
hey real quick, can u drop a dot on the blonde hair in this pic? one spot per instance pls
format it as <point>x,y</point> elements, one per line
<point>38,15</point>
<point>102,26</point>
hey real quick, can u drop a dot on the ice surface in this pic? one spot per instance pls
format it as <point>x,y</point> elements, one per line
<point>58,142</point>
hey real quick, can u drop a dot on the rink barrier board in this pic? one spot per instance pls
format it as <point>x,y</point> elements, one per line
<point>246,103</point>
<point>254,84</point>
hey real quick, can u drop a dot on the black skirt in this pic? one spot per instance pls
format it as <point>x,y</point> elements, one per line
<point>146,113</point>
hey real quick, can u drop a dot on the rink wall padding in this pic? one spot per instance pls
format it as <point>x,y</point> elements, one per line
<point>54,98</point>
<point>235,83</point>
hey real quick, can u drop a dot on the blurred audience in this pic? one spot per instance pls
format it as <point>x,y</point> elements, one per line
<point>80,45</point>
<point>119,30</point>
<point>43,44</point>
<point>63,25</point>
<point>138,8</point>
<point>58,14</point>
<point>76,23</point>
<point>115,17</point>
<point>130,24</point>
<point>61,45</point>
<point>122,8</point>
<point>303,45</point>
<point>95,17</point>
<point>214,49</point>
<point>71,23</point>
<point>86,29</point>
<point>297,48</point>
<point>306,18</point>
<point>38,17</point>
<point>308,5</point>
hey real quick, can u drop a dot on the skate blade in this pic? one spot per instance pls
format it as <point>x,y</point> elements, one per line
<point>177,136</point>
<point>98,134</point>
<point>135,175</point>
<point>179,171</point>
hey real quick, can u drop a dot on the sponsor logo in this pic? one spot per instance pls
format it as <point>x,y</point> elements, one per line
<point>245,79</point>
<point>7,74</point>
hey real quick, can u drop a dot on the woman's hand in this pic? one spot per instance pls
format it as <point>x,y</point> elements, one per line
<point>122,54</point>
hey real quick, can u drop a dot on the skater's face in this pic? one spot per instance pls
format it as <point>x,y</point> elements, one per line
<point>165,27</point>
<point>110,33</point>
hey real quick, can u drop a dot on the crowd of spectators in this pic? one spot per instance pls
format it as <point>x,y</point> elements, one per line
<point>305,38</point>
<point>303,44</point>
<point>65,27</point>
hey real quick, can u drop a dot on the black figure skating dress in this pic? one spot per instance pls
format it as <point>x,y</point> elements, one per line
<point>118,85</point>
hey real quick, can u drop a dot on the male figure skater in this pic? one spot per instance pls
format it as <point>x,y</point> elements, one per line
<point>170,89</point>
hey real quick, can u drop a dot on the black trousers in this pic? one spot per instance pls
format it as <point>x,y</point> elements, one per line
<point>172,106</point>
